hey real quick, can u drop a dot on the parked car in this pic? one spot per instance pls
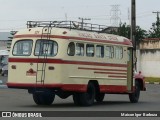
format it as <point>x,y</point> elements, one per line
<point>4,65</point>
<point>4,70</point>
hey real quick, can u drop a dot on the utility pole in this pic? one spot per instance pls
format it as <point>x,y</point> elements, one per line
<point>133,32</point>
<point>82,19</point>
<point>158,19</point>
<point>133,23</point>
<point>157,13</point>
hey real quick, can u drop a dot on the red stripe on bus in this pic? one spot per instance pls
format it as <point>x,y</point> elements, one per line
<point>66,87</point>
<point>71,87</point>
<point>60,61</point>
<point>33,85</point>
<point>110,73</point>
<point>113,89</point>
<point>83,68</point>
<point>115,76</point>
<point>126,42</point>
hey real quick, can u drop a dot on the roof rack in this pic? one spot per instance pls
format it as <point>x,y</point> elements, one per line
<point>67,24</point>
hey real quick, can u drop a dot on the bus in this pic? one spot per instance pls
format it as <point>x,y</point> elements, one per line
<point>68,58</point>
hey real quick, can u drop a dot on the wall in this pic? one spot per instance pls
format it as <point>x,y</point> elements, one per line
<point>149,58</point>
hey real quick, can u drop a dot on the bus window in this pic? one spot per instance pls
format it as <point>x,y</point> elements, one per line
<point>22,48</point>
<point>109,51</point>
<point>80,49</point>
<point>118,52</point>
<point>71,49</point>
<point>100,51</point>
<point>90,50</point>
<point>46,47</point>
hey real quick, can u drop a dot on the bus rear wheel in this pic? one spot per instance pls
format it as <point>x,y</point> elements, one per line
<point>44,98</point>
<point>134,97</point>
<point>99,97</point>
<point>76,98</point>
<point>87,98</point>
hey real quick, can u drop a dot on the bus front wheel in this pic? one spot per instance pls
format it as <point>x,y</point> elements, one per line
<point>44,98</point>
<point>134,97</point>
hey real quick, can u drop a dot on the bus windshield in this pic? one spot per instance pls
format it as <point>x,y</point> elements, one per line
<point>22,48</point>
<point>46,47</point>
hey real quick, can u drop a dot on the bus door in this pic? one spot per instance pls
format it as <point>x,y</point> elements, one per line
<point>130,69</point>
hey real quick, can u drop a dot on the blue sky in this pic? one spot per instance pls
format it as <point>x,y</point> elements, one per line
<point>15,13</point>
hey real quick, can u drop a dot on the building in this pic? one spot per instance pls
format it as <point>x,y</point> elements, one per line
<point>5,40</point>
<point>110,29</point>
<point>149,57</point>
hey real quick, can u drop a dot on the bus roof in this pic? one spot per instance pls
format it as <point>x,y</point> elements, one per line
<point>70,32</point>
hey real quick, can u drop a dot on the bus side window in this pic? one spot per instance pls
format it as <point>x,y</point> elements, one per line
<point>100,51</point>
<point>80,49</point>
<point>109,52</point>
<point>90,50</point>
<point>118,52</point>
<point>71,49</point>
<point>46,47</point>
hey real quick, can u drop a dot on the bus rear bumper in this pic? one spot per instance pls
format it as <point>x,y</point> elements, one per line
<point>64,87</point>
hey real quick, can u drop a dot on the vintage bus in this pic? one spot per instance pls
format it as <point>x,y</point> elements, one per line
<point>66,58</point>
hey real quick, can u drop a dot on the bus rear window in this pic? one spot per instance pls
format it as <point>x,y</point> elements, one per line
<point>22,48</point>
<point>46,47</point>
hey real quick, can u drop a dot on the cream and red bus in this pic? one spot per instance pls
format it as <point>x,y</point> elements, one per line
<point>71,58</point>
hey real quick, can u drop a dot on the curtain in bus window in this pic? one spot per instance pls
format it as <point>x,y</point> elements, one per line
<point>100,51</point>
<point>46,47</point>
<point>118,52</point>
<point>90,50</point>
<point>109,51</point>
<point>22,48</point>
<point>80,49</point>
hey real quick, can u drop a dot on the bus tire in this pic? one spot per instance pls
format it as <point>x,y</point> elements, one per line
<point>76,99</point>
<point>87,98</point>
<point>99,97</point>
<point>45,98</point>
<point>134,97</point>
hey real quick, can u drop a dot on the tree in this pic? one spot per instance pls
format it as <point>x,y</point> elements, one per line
<point>155,30</point>
<point>125,30</point>
<point>140,34</point>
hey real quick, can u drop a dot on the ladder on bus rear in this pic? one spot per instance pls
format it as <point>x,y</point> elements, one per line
<point>42,59</point>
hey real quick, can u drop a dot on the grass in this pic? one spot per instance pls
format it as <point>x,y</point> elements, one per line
<point>152,79</point>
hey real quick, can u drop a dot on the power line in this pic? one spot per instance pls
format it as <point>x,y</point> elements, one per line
<point>115,15</point>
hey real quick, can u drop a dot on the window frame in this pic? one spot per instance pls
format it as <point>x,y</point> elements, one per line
<point>111,52</point>
<point>93,50</point>
<point>80,50</point>
<point>74,49</point>
<point>101,51</point>
<point>120,52</point>
<point>39,48</point>
<point>21,41</point>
